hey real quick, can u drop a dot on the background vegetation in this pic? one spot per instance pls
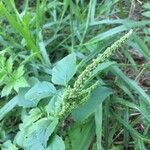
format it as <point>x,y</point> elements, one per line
<point>44,47</point>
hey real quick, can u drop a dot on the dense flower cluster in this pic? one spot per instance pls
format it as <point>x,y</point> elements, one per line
<point>101,58</point>
<point>73,97</point>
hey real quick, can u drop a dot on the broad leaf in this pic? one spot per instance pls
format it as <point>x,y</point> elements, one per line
<point>38,134</point>
<point>39,91</point>
<point>80,136</point>
<point>96,98</point>
<point>64,70</point>
<point>56,143</point>
<point>8,146</point>
<point>24,102</point>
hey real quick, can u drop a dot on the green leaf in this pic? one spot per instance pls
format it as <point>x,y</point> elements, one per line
<point>21,82</point>
<point>39,91</point>
<point>102,67</point>
<point>56,143</point>
<point>8,107</point>
<point>38,134</point>
<point>15,81</point>
<point>19,72</point>
<point>133,132</point>
<point>146,14</point>
<point>3,74</point>
<point>144,109</point>
<point>23,102</point>
<point>6,90</point>
<point>130,83</point>
<point>139,144</point>
<point>28,121</point>
<point>146,5</point>
<point>9,65</point>
<point>2,134</point>
<point>80,136</point>
<point>98,124</point>
<point>64,70</point>
<point>18,25</point>
<point>96,98</point>
<point>8,146</point>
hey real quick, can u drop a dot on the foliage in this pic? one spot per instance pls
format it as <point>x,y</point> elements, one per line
<point>59,90</point>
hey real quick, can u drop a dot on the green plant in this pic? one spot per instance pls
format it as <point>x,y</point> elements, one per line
<point>58,108</point>
<point>12,79</point>
<point>60,88</point>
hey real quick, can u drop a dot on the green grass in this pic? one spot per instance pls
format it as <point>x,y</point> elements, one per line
<point>45,47</point>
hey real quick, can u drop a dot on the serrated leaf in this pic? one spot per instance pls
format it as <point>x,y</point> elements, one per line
<point>64,70</point>
<point>21,82</point>
<point>56,143</point>
<point>6,90</point>
<point>3,74</point>
<point>15,81</point>
<point>39,91</point>
<point>13,84</point>
<point>19,72</point>
<point>96,98</point>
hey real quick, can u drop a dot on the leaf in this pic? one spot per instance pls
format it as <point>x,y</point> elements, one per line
<point>144,109</point>
<point>23,102</point>
<point>44,53</point>
<point>6,90</point>
<point>18,25</point>
<point>96,98</point>
<point>8,107</point>
<point>107,34</point>
<point>9,65</point>
<point>98,125</point>
<point>55,104</point>
<point>15,81</point>
<point>64,70</point>
<point>146,14</point>
<point>2,134</point>
<point>8,146</point>
<point>102,67</point>
<point>39,91</point>
<point>80,136</point>
<point>132,84</point>
<point>19,72</point>
<point>146,5</point>
<point>56,143</point>
<point>21,82</point>
<point>133,132</point>
<point>28,120</point>
<point>3,74</point>
<point>38,134</point>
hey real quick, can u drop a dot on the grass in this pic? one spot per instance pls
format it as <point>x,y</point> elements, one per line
<point>45,47</point>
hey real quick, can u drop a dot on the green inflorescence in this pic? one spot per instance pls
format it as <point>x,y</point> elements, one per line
<point>74,97</point>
